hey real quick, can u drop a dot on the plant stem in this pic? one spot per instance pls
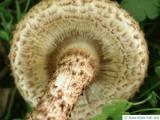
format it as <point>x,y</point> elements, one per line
<point>10,104</point>
<point>149,90</point>
<point>18,10</point>
<point>147,109</point>
<point>143,101</point>
<point>27,6</point>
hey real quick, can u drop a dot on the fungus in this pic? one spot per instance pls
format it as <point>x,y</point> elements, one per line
<point>69,57</point>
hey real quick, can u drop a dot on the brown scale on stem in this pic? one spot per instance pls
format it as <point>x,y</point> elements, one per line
<point>76,72</point>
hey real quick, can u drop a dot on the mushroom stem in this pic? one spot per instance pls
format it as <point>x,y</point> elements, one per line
<point>75,70</point>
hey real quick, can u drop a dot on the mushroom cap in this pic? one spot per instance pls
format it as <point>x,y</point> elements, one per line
<point>51,25</point>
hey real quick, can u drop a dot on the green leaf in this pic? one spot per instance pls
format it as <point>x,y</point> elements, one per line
<point>153,100</point>
<point>142,9</point>
<point>27,5</point>
<point>114,110</point>
<point>157,71</point>
<point>5,3</point>
<point>6,13</point>
<point>18,10</point>
<point>4,35</point>
<point>6,19</point>
<point>100,117</point>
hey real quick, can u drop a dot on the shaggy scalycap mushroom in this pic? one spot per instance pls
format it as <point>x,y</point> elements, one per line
<point>78,53</point>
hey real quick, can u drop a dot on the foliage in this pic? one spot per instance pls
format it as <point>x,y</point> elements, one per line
<point>114,110</point>
<point>146,12</point>
<point>142,9</point>
<point>11,11</point>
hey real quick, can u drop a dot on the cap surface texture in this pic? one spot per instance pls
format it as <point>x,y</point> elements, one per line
<point>52,25</point>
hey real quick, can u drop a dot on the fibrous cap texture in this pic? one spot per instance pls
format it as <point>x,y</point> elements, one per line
<point>52,26</point>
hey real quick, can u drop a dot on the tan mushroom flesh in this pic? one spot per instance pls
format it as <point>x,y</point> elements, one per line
<point>63,48</point>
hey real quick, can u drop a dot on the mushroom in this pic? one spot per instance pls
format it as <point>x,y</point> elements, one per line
<point>78,53</point>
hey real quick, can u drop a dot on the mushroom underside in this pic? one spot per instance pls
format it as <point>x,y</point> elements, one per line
<point>44,34</point>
